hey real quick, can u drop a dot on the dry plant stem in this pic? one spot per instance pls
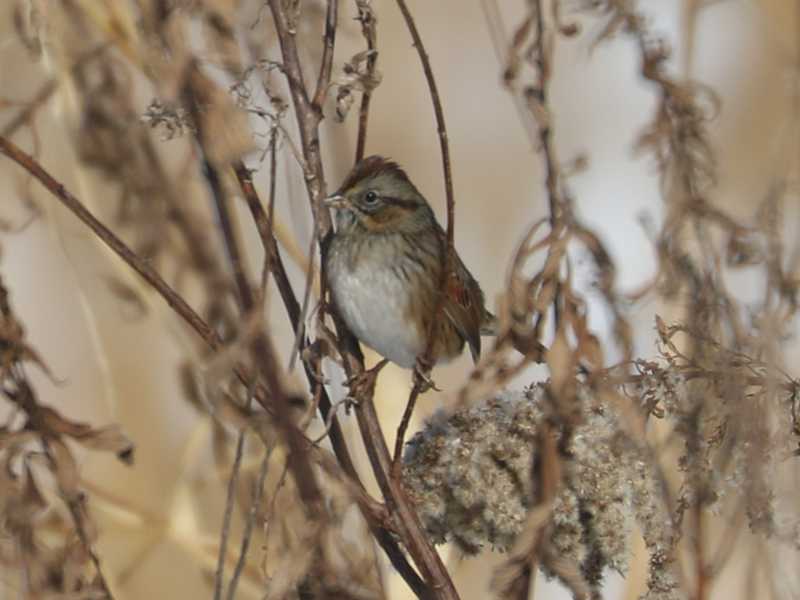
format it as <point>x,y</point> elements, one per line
<point>366,96</point>
<point>440,123</point>
<point>133,260</point>
<point>701,592</point>
<point>74,505</point>
<point>441,128</point>
<point>248,527</point>
<point>141,266</point>
<point>226,519</point>
<point>399,442</point>
<point>409,527</point>
<point>329,41</point>
<point>308,118</point>
<point>323,84</point>
<point>274,260</point>
<point>545,131</point>
<point>262,349</point>
<point>542,60</point>
<point>363,115</point>
<point>407,523</point>
<point>273,257</point>
<point>246,297</point>
<point>264,226</point>
<point>309,283</point>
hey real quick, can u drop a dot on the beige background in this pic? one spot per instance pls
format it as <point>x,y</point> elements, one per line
<point>115,367</point>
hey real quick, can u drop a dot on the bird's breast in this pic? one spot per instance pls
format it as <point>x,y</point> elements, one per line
<point>373,298</point>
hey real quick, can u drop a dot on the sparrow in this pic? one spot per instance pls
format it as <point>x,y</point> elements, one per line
<point>384,266</point>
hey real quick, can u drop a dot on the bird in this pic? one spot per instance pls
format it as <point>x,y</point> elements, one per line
<point>384,270</point>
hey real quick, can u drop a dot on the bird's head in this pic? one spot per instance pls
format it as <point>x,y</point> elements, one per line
<point>378,197</point>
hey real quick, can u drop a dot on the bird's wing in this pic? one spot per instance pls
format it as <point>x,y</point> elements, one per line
<point>464,306</point>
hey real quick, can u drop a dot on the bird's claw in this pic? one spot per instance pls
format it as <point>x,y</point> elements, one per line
<point>422,378</point>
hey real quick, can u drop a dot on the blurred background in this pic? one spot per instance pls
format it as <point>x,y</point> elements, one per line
<point>116,351</point>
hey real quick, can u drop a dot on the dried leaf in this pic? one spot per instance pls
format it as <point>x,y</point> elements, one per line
<point>592,350</point>
<point>65,469</point>
<point>24,507</point>
<point>9,440</point>
<point>224,125</point>
<point>358,75</point>
<point>108,438</point>
<point>560,360</point>
<point>743,250</point>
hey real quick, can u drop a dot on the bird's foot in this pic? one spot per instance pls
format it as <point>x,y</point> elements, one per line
<point>422,377</point>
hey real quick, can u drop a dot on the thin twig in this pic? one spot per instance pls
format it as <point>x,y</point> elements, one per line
<point>309,284</point>
<point>75,505</point>
<point>399,441</point>
<point>308,119</point>
<point>447,252</point>
<point>329,41</point>
<point>369,31</point>
<point>264,225</point>
<point>542,59</point>
<point>540,96</point>
<point>247,298</point>
<point>262,350</point>
<point>441,128</point>
<point>258,490</point>
<point>137,263</point>
<point>226,519</point>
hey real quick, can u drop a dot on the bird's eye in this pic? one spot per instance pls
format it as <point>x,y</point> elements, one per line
<point>370,197</point>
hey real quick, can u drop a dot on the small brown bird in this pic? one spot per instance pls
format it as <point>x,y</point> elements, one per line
<point>384,270</point>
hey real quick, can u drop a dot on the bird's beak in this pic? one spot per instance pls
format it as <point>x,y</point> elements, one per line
<point>335,201</point>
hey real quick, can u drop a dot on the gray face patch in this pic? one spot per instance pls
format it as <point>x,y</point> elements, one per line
<point>345,218</point>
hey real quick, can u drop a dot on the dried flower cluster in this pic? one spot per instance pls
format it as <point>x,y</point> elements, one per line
<point>469,474</point>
